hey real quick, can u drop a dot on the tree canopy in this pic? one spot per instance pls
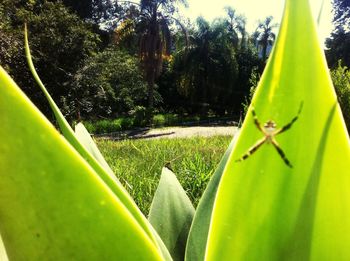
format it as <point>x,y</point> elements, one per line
<point>338,45</point>
<point>101,58</point>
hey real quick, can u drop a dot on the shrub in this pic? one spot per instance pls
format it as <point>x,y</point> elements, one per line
<point>110,83</point>
<point>171,119</point>
<point>139,114</point>
<point>90,126</point>
<point>341,81</point>
<point>158,120</point>
<point>127,123</point>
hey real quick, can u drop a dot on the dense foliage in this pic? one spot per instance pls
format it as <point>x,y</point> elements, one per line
<point>338,48</point>
<point>207,69</point>
<point>341,81</point>
<point>108,84</point>
<point>108,58</point>
<point>60,43</point>
<point>338,45</point>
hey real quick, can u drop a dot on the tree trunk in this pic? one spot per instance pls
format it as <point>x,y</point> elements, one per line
<point>264,54</point>
<point>77,111</point>
<point>151,95</point>
<point>149,112</point>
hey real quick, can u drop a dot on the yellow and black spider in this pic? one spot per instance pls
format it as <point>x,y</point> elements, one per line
<point>269,130</point>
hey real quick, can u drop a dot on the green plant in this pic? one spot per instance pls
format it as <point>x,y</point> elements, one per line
<point>127,123</point>
<point>277,212</point>
<point>159,120</point>
<point>207,71</point>
<point>253,81</point>
<point>140,114</point>
<point>109,83</point>
<point>341,80</point>
<point>61,200</point>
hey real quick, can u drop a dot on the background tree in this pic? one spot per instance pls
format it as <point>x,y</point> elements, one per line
<point>248,63</point>
<point>153,27</point>
<point>60,42</point>
<point>11,42</point>
<point>83,8</point>
<point>246,56</point>
<point>155,40</point>
<point>265,35</point>
<point>341,80</point>
<point>207,70</point>
<point>108,84</point>
<point>86,53</point>
<point>341,12</point>
<point>236,27</point>
<point>338,45</point>
<point>338,48</point>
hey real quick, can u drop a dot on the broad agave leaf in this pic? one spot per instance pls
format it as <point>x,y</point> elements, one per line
<point>84,137</point>
<point>198,235</point>
<point>53,205</point>
<point>90,154</point>
<point>266,210</point>
<point>3,255</point>
<point>171,214</point>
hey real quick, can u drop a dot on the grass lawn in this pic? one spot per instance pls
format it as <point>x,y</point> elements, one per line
<point>138,163</point>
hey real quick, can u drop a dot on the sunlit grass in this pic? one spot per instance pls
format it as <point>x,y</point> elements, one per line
<point>138,163</point>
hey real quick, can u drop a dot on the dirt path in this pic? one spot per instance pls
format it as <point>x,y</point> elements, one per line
<point>187,132</point>
<point>175,132</point>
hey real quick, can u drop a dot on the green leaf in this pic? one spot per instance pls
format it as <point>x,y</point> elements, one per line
<point>320,12</point>
<point>53,205</point>
<point>3,255</point>
<point>105,173</point>
<point>171,214</point>
<point>85,139</point>
<point>198,235</point>
<point>266,210</point>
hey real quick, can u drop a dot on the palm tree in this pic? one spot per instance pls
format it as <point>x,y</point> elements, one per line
<point>153,26</point>
<point>265,35</point>
<point>207,68</point>
<point>155,42</point>
<point>236,26</point>
<point>150,23</point>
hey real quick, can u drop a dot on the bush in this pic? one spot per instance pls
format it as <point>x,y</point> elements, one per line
<point>158,120</point>
<point>127,123</point>
<point>110,83</point>
<point>253,81</point>
<point>106,126</point>
<point>171,119</point>
<point>140,116</point>
<point>341,81</point>
<point>90,126</point>
<point>192,119</point>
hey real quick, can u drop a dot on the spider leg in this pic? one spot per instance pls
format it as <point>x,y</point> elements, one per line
<point>289,125</point>
<point>256,121</point>
<point>281,153</point>
<point>253,149</point>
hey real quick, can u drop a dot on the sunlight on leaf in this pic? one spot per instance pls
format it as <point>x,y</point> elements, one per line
<point>171,214</point>
<point>85,139</point>
<point>53,205</point>
<point>97,164</point>
<point>266,210</point>
<point>198,236</point>
<point>3,255</point>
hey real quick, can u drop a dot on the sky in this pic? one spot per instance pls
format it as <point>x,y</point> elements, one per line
<point>255,10</point>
